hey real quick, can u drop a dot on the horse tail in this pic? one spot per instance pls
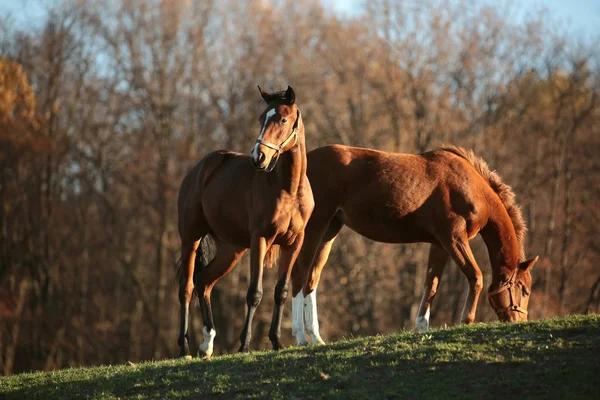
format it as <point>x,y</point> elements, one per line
<point>272,256</point>
<point>504,192</point>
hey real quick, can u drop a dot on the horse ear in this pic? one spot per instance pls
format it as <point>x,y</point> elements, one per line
<point>527,265</point>
<point>266,96</point>
<point>290,96</point>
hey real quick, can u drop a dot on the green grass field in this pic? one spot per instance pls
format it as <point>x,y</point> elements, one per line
<point>555,358</point>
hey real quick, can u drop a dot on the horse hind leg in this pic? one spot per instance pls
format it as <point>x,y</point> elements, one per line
<point>438,258</point>
<point>226,257</point>
<point>460,251</point>
<point>298,278</point>
<point>312,248</point>
<point>313,278</point>
<point>186,290</point>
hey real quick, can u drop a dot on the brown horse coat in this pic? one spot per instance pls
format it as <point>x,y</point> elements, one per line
<point>443,197</point>
<point>232,198</point>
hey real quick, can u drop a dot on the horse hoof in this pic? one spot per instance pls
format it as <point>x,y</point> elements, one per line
<point>186,357</point>
<point>278,346</point>
<point>316,340</point>
<point>301,339</point>
<point>205,355</point>
<point>421,325</point>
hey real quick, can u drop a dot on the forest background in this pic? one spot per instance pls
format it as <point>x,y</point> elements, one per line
<point>104,106</point>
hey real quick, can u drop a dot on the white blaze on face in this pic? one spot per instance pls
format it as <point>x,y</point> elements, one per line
<point>312,320</point>
<point>207,346</point>
<point>269,115</point>
<point>298,319</point>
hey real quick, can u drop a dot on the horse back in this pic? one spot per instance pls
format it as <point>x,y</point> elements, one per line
<point>396,197</point>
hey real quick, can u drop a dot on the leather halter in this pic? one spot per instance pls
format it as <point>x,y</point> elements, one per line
<point>504,287</point>
<point>278,148</point>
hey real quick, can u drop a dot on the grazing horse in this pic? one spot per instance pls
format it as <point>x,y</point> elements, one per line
<point>442,197</point>
<point>243,202</point>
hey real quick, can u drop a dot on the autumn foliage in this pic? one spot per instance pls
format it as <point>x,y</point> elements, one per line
<point>104,109</point>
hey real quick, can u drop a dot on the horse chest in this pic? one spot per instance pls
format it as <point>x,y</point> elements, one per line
<point>287,225</point>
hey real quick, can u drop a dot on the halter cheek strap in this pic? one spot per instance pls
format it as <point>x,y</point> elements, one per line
<point>507,286</point>
<point>279,148</point>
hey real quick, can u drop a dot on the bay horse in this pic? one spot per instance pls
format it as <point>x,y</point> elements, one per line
<point>259,202</point>
<point>442,197</point>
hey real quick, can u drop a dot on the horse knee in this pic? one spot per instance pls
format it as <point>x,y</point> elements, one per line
<point>281,292</point>
<point>476,282</point>
<point>186,292</point>
<point>429,290</point>
<point>254,296</point>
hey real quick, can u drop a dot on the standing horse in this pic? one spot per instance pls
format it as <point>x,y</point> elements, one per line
<point>442,197</point>
<point>245,202</point>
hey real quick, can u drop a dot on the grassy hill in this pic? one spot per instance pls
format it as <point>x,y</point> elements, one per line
<point>555,358</point>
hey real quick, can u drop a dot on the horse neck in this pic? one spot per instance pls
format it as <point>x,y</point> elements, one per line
<point>501,240</point>
<point>291,167</point>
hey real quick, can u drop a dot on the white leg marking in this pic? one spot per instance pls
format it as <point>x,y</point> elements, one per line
<point>298,319</point>
<point>207,346</point>
<point>422,323</point>
<point>312,320</point>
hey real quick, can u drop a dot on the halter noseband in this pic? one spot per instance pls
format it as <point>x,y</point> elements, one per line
<point>507,286</point>
<point>278,148</point>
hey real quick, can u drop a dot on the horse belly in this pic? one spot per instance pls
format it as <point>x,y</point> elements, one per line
<point>227,218</point>
<point>381,225</point>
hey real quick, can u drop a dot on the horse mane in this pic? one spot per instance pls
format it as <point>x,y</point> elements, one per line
<point>505,192</point>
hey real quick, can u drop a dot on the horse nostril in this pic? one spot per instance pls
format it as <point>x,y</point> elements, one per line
<point>261,157</point>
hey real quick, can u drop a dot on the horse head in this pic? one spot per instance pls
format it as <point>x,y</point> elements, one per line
<point>280,125</point>
<point>510,298</point>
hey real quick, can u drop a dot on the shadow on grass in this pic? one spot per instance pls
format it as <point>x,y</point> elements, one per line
<point>385,368</point>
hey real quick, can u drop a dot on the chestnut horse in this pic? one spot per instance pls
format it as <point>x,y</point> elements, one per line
<point>245,202</point>
<point>443,197</point>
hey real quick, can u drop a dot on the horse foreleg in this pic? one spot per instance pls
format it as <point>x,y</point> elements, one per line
<point>255,290</point>
<point>312,281</point>
<point>289,254</point>
<point>313,235</point>
<point>225,259</point>
<point>298,278</point>
<point>186,290</point>
<point>438,258</point>
<point>461,253</point>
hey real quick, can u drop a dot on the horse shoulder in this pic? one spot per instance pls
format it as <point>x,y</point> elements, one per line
<point>467,192</point>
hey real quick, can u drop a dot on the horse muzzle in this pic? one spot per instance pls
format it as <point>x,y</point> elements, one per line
<point>264,161</point>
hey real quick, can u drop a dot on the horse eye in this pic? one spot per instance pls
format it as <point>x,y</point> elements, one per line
<point>525,292</point>
<point>284,120</point>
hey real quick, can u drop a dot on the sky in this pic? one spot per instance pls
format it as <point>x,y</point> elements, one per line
<point>582,16</point>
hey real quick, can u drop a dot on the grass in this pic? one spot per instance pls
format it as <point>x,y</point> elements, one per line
<point>554,358</point>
